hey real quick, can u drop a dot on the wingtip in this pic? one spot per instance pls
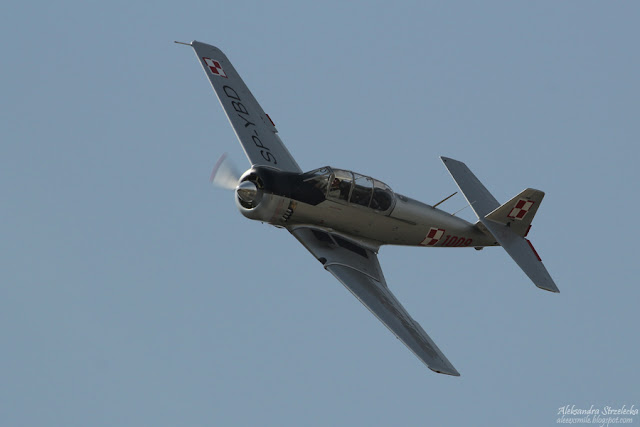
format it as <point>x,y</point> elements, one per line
<point>448,161</point>
<point>453,373</point>
<point>545,283</point>
<point>553,289</point>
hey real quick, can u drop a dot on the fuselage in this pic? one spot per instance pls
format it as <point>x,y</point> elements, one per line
<point>355,205</point>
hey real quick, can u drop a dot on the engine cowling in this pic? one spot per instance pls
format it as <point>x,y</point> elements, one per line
<point>255,201</point>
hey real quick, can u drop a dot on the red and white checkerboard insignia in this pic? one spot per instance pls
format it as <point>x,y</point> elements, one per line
<point>433,236</point>
<point>215,67</point>
<point>520,209</point>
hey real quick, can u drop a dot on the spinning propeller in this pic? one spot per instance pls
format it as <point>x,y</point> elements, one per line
<point>224,174</point>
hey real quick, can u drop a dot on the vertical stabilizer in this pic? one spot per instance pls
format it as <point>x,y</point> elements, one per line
<point>518,212</point>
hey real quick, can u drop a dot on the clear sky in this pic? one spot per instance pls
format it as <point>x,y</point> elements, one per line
<point>133,293</point>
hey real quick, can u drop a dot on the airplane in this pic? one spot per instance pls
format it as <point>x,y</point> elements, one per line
<point>343,218</point>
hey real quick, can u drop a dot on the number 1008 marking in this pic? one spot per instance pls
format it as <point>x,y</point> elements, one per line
<point>452,241</point>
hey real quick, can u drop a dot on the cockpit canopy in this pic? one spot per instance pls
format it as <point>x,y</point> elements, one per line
<point>349,187</point>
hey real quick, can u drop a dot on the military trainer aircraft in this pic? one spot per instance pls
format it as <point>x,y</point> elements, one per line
<point>343,218</point>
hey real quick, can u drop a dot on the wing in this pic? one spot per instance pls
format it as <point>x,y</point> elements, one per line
<point>357,268</point>
<point>255,130</point>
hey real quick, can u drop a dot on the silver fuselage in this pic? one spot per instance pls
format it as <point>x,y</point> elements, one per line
<point>405,222</point>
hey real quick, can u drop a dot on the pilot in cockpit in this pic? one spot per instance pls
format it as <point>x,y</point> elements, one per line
<point>342,186</point>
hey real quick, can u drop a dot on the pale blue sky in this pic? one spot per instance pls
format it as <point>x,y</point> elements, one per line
<point>133,293</point>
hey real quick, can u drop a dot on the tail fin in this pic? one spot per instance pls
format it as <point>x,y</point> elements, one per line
<point>505,222</point>
<point>518,212</point>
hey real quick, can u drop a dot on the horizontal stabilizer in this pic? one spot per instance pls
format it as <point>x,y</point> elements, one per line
<point>523,253</point>
<point>481,201</point>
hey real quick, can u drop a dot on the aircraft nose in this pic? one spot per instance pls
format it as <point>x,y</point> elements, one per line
<point>247,191</point>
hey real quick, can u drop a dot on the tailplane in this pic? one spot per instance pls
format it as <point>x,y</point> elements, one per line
<point>508,223</point>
